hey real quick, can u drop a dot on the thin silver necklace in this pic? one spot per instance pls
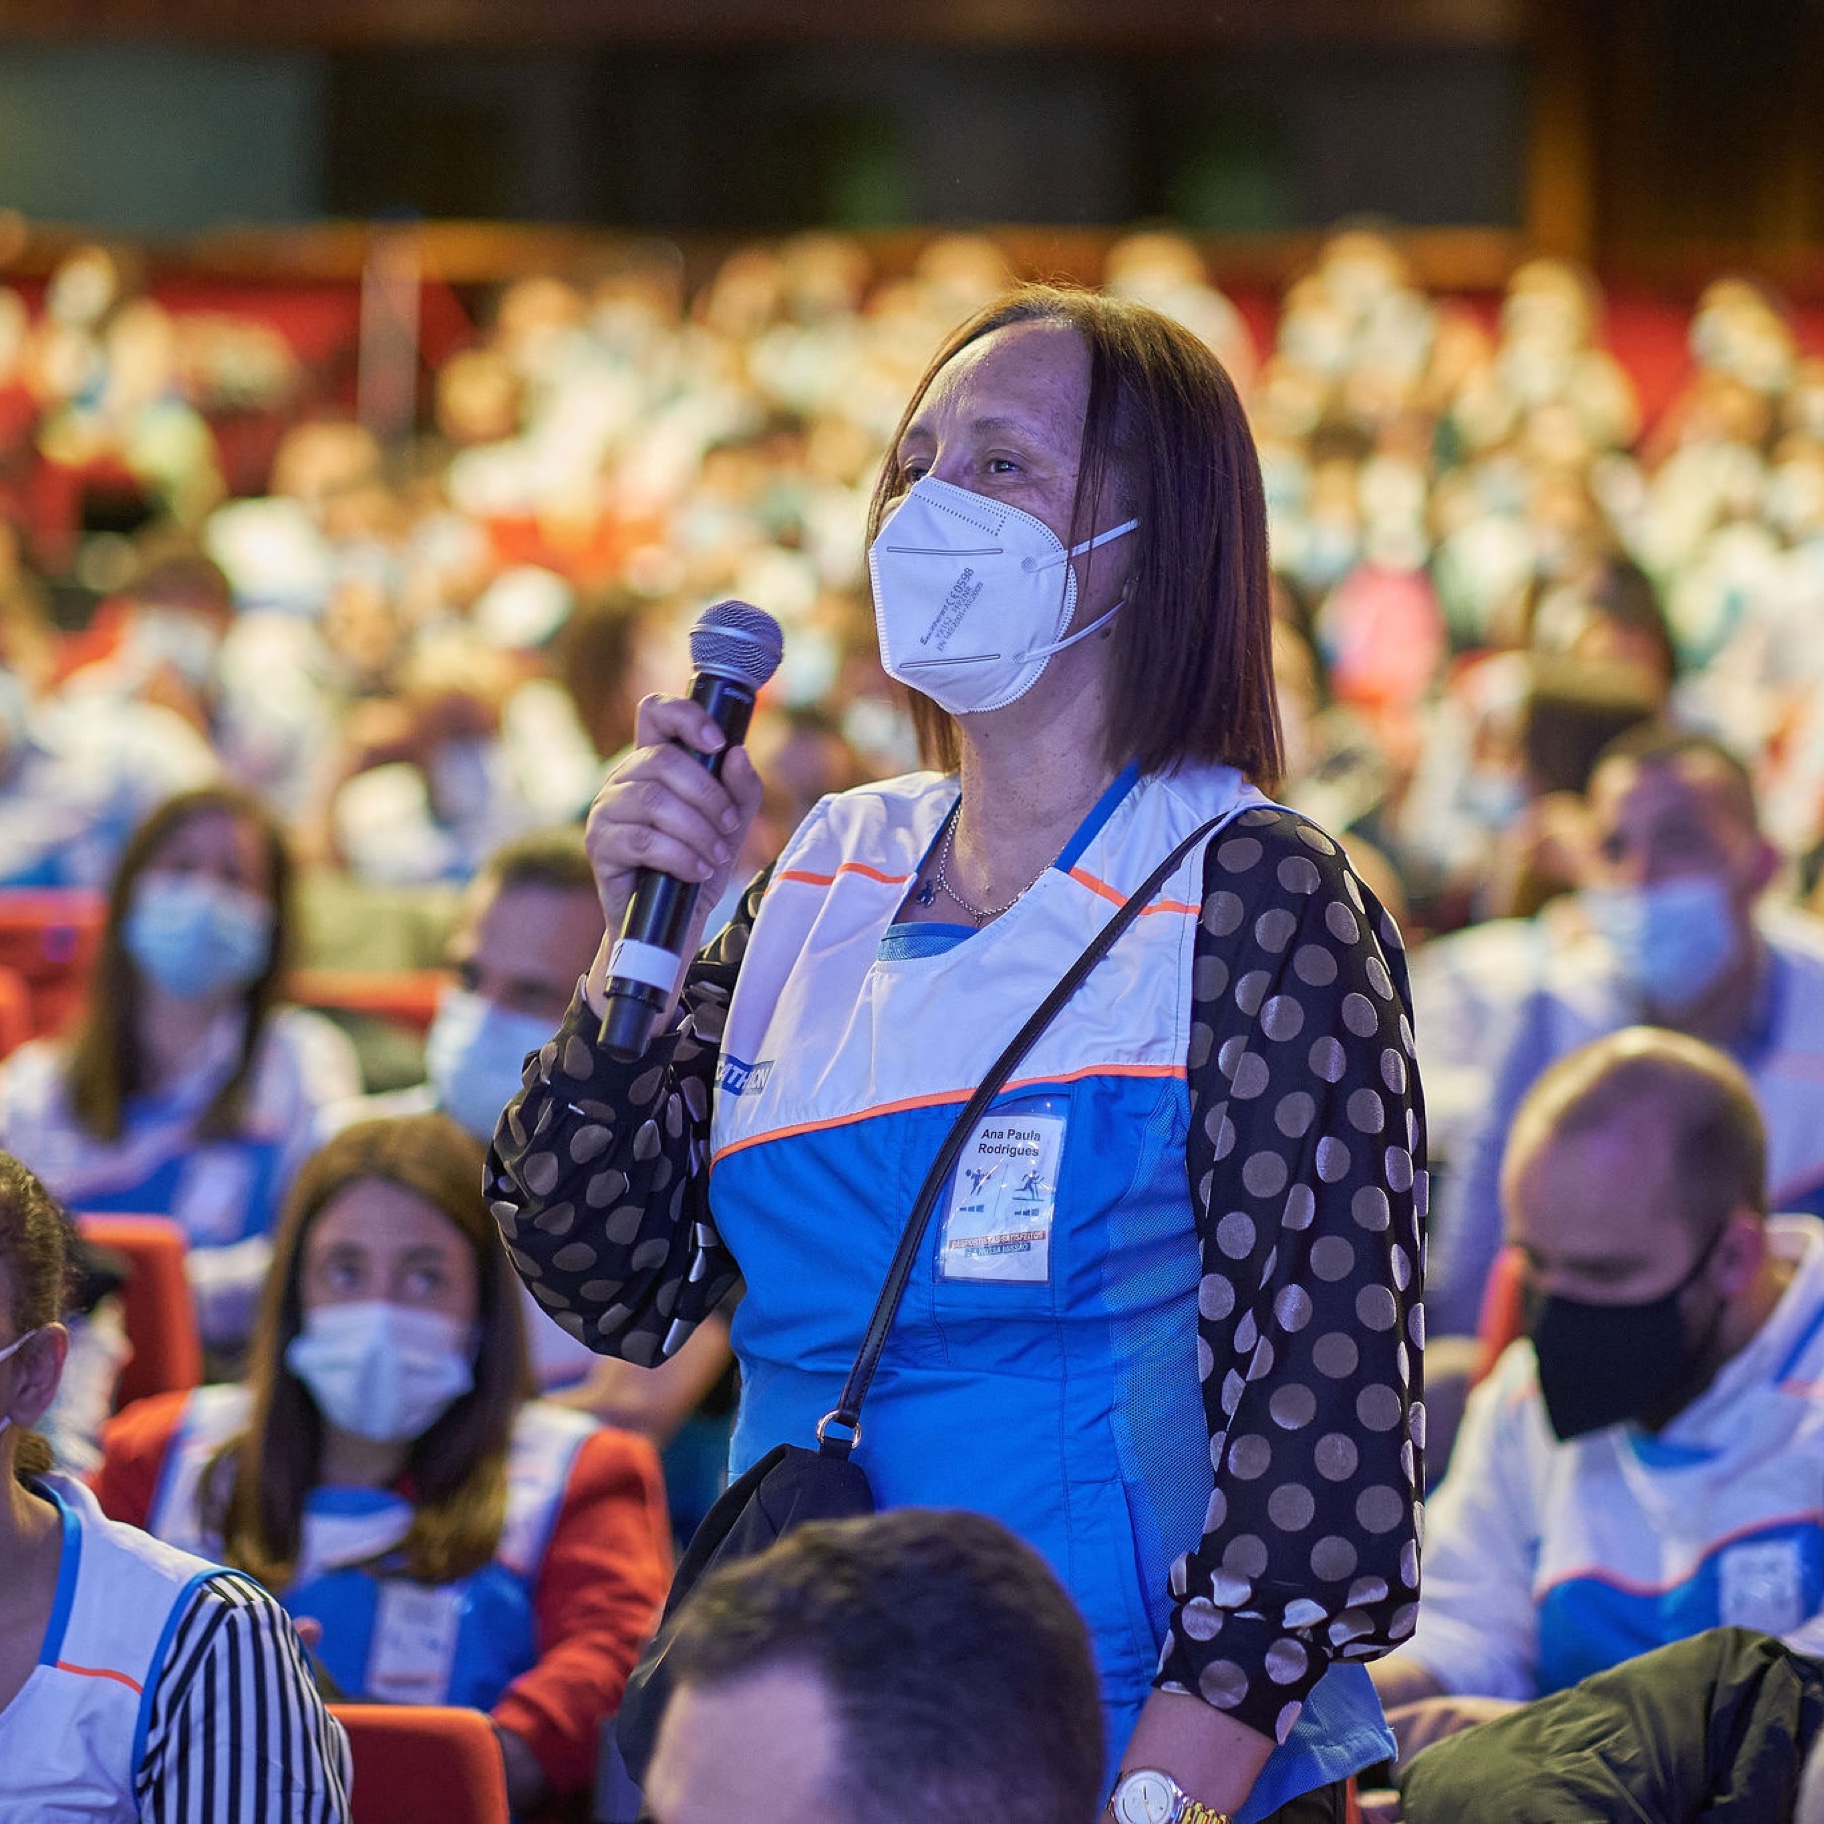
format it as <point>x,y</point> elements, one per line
<point>980,914</point>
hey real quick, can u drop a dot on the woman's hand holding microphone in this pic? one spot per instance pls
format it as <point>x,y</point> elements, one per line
<point>662,809</point>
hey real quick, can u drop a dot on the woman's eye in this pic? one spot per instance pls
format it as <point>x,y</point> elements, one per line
<point>1002,465</point>
<point>910,472</point>
<point>424,1282</point>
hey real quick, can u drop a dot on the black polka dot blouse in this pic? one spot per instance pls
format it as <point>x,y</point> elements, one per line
<point>1306,1163</point>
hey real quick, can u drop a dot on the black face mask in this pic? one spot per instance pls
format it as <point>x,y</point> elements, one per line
<point>1605,1364</point>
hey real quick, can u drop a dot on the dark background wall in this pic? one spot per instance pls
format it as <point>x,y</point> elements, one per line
<point>1631,132</point>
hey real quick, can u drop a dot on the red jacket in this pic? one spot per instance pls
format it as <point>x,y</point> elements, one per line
<point>596,1598</point>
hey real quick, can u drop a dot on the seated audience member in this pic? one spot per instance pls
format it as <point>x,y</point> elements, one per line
<point>1714,1727</point>
<point>1644,1464</point>
<point>383,1471</point>
<point>1673,868</point>
<point>133,1677</point>
<point>77,778</point>
<point>911,1667</point>
<point>529,929</point>
<point>174,614</point>
<point>1471,987</point>
<point>188,1089</point>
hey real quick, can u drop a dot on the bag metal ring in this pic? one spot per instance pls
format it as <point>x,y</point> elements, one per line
<point>839,1417</point>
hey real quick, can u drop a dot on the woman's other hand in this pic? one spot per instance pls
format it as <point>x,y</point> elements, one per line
<point>660,808</point>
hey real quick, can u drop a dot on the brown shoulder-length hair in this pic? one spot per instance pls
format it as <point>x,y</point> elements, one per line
<point>1166,439</point>
<point>255,1487</point>
<point>105,1064</point>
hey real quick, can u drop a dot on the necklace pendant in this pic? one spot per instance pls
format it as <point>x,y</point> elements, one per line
<point>927,893</point>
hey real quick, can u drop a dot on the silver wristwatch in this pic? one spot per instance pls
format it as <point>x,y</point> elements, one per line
<point>1148,1796</point>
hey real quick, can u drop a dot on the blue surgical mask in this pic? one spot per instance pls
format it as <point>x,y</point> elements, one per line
<point>187,642</point>
<point>1673,942</point>
<point>1492,799</point>
<point>195,935</point>
<point>383,1371</point>
<point>474,1055</point>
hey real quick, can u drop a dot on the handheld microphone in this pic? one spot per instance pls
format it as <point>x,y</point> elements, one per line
<point>735,649</point>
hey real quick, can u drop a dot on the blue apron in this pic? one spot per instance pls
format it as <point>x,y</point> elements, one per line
<point>1043,1367</point>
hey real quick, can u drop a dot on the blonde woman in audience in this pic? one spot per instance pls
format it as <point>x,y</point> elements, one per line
<point>385,1470</point>
<point>132,1675</point>
<point>188,1088</point>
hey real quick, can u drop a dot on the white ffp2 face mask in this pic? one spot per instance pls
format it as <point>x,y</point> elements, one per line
<point>972,597</point>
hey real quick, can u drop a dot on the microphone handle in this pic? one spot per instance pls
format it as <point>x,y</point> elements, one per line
<point>660,910</point>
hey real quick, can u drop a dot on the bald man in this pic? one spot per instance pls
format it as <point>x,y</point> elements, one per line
<point>1648,1461</point>
<point>1670,884</point>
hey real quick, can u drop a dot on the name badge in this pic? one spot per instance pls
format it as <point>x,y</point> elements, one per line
<point>414,1647</point>
<point>1761,1585</point>
<point>213,1196</point>
<point>1004,1198</point>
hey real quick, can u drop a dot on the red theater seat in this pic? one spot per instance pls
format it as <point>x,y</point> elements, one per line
<point>161,1315</point>
<point>406,997</point>
<point>49,936</point>
<point>1503,1314</point>
<point>15,1010</point>
<point>419,1765</point>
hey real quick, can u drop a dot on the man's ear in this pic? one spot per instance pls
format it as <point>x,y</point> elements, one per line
<point>1766,865</point>
<point>1740,1252</point>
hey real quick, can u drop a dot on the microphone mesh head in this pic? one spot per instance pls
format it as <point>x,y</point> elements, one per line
<point>738,642</point>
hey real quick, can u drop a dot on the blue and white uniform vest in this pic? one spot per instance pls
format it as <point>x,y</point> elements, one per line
<point>219,1192</point>
<point>386,1638</point>
<point>1548,1561</point>
<point>1043,1366</point>
<point>73,1738</point>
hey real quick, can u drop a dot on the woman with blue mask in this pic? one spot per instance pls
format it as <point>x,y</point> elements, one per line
<point>188,1089</point>
<point>386,1472</point>
<point>1164,1322</point>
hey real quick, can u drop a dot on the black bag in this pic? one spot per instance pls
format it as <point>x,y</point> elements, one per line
<point>790,1484</point>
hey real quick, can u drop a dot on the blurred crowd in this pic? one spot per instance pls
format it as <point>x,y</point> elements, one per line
<point>415,652</point>
<point>396,672</point>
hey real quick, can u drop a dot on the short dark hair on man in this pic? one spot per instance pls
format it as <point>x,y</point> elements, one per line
<point>959,1670</point>
<point>547,858</point>
<point>1716,1151</point>
<point>1658,744</point>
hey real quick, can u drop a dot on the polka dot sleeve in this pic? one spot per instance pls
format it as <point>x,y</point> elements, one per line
<point>1307,1167</point>
<point>599,1171</point>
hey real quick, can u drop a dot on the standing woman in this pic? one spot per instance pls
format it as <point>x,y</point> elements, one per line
<point>189,1089</point>
<point>1178,1348</point>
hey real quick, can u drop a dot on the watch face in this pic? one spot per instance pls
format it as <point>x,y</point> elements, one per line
<point>1146,1797</point>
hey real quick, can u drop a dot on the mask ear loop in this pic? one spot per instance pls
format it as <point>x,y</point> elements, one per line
<point>1033,565</point>
<point>6,1354</point>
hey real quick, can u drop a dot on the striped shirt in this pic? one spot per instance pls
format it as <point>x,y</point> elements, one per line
<point>238,1734</point>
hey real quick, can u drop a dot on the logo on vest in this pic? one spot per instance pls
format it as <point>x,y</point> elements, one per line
<point>740,1079</point>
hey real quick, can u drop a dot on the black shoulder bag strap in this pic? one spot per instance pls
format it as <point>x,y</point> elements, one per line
<point>790,1485</point>
<point>846,1418</point>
